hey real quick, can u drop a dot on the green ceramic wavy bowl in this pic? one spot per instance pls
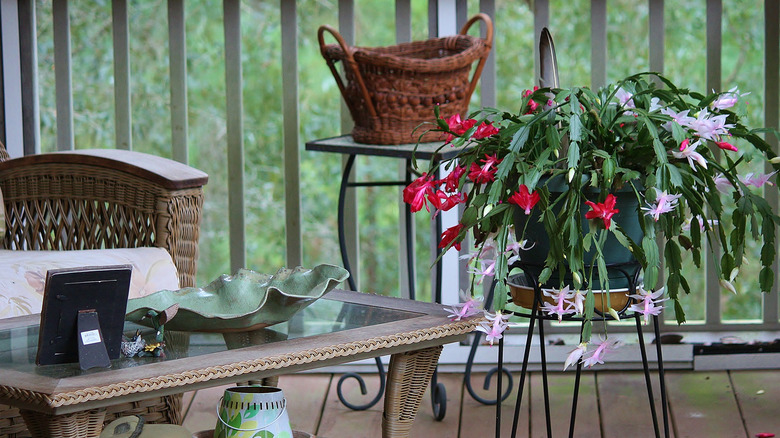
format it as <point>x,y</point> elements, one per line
<point>247,300</point>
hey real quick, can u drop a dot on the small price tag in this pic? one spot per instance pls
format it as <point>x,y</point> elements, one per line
<point>90,337</point>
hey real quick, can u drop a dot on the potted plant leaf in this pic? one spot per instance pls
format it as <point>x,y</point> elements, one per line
<point>640,164</point>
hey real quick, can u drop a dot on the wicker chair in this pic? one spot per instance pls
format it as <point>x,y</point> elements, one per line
<point>107,198</point>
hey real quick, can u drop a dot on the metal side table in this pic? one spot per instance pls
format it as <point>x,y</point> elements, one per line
<point>425,151</point>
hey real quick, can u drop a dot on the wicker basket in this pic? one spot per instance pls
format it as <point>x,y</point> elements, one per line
<point>391,91</point>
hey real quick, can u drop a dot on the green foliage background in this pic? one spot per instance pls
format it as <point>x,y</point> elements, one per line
<point>319,103</point>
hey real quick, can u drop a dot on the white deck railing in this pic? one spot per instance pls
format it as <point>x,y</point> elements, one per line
<point>20,109</point>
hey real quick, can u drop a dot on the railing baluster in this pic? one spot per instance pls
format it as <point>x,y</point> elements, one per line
<point>28,43</point>
<point>712,314</point>
<point>178,74</point>
<point>292,158</point>
<point>657,28</point>
<point>28,70</point>
<point>235,131</point>
<point>772,119</point>
<point>62,72</point>
<point>598,41</point>
<point>487,81</point>
<point>122,107</point>
<point>403,34</point>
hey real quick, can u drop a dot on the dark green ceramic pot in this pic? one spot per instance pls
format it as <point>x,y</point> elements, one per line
<point>615,254</point>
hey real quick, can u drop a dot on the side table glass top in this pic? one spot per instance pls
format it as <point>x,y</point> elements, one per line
<point>344,144</point>
<point>19,344</point>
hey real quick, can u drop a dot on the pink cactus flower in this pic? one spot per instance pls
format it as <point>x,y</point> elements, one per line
<point>494,327</point>
<point>563,304</point>
<point>647,303</point>
<point>664,203</point>
<point>603,348</point>
<point>466,309</point>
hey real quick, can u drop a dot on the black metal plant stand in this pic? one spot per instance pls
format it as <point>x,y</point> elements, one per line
<point>631,271</point>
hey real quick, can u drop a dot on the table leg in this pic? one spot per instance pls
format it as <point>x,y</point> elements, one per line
<point>407,377</point>
<point>342,236</point>
<point>84,424</point>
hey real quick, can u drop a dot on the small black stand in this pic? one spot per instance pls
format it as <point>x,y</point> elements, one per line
<point>92,350</point>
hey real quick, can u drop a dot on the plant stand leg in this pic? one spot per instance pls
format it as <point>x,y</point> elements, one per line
<point>575,395</point>
<point>498,387</point>
<point>524,369</point>
<point>646,368</point>
<point>661,375</point>
<point>545,385</point>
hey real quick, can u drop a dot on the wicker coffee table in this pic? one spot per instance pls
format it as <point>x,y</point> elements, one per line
<point>343,326</point>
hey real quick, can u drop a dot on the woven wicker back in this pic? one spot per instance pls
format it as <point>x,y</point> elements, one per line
<point>67,207</point>
<point>115,199</point>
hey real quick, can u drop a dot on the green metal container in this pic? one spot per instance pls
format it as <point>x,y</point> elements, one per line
<point>253,412</point>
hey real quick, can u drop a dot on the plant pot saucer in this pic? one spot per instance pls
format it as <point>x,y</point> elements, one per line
<point>522,294</point>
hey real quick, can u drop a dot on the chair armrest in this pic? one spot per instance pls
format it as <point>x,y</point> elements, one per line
<point>106,198</point>
<point>167,173</point>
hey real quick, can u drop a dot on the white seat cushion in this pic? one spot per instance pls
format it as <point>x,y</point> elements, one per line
<point>23,273</point>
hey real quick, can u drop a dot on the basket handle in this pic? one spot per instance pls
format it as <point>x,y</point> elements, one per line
<point>488,40</point>
<point>349,63</point>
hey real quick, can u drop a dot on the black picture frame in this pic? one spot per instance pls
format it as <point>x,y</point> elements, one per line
<point>68,291</point>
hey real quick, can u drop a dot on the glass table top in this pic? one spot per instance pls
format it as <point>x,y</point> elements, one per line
<point>19,345</point>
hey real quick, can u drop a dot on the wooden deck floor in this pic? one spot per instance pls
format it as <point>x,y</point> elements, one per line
<point>612,404</point>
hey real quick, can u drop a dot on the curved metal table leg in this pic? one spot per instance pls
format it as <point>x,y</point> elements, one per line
<point>438,391</point>
<point>363,389</point>
<point>341,232</point>
<point>345,260</point>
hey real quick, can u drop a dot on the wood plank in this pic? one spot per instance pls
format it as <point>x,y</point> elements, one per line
<point>758,396</point>
<point>425,425</point>
<point>340,421</point>
<point>624,406</point>
<point>703,404</point>
<point>561,389</point>
<point>305,394</point>
<point>477,420</point>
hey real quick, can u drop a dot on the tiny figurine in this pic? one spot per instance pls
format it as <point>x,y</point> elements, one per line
<point>131,347</point>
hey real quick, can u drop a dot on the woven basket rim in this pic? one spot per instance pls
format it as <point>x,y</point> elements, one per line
<point>393,55</point>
